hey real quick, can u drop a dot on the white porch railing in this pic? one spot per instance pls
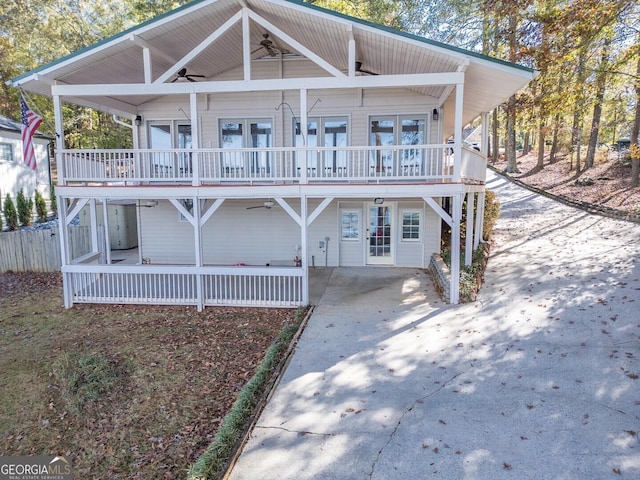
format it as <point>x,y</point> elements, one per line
<point>185,285</point>
<point>393,163</point>
<point>473,166</point>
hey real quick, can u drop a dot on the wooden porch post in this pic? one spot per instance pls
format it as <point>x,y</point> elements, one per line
<point>457,135</point>
<point>197,229</point>
<point>304,249</point>
<point>61,202</point>
<point>195,140</point>
<point>479,220</point>
<point>304,132</point>
<point>456,217</point>
<point>107,240</point>
<point>469,233</point>
<point>484,135</point>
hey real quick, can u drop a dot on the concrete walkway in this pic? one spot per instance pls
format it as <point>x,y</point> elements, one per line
<point>536,380</point>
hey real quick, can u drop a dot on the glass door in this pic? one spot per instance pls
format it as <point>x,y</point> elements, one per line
<point>334,132</point>
<point>165,136</point>
<point>382,134</point>
<point>236,135</point>
<point>380,235</point>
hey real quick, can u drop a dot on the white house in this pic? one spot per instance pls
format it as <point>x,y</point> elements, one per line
<point>266,130</point>
<point>14,174</point>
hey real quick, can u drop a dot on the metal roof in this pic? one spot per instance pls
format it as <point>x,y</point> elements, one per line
<point>172,36</point>
<point>8,125</point>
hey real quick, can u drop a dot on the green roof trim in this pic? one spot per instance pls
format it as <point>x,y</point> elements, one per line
<point>300,3</point>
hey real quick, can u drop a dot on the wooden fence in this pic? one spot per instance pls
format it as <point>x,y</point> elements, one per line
<point>39,250</point>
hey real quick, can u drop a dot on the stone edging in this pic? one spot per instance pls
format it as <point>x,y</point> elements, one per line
<point>586,206</point>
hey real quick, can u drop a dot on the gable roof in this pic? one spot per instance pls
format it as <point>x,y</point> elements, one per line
<point>172,36</point>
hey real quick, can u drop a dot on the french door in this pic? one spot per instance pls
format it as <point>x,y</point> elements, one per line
<point>404,131</point>
<point>324,132</point>
<point>380,241</point>
<point>246,133</point>
<point>167,136</point>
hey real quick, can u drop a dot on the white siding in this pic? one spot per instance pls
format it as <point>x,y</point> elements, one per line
<point>15,175</point>
<point>235,235</point>
<point>326,225</point>
<point>164,238</point>
<point>358,104</point>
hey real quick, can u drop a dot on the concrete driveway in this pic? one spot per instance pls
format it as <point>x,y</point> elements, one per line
<point>536,380</point>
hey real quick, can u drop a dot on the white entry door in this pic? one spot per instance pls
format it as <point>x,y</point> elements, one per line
<point>380,235</point>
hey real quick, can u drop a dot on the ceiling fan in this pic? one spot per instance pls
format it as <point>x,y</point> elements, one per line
<point>271,48</point>
<point>182,75</point>
<point>268,205</point>
<point>359,69</point>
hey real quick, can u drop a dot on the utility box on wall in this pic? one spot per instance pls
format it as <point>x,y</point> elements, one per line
<point>123,224</point>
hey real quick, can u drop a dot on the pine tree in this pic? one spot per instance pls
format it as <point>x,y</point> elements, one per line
<point>25,208</point>
<point>41,207</point>
<point>10,214</point>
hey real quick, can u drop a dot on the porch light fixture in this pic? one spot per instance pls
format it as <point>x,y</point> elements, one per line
<point>435,115</point>
<point>150,203</point>
<point>138,120</point>
<point>378,200</point>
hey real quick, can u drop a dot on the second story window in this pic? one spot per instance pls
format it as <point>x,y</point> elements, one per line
<point>331,132</point>
<point>237,134</point>
<point>391,131</point>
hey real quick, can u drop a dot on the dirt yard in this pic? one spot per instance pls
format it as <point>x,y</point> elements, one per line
<point>124,391</point>
<point>608,183</point>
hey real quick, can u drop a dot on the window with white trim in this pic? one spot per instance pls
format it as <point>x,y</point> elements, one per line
<point>236,134</point>
<point>350,225</point>
<point>411,220</point>
<point>6,152</point>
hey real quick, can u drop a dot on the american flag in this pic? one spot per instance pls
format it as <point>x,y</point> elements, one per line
<point>30,123</point>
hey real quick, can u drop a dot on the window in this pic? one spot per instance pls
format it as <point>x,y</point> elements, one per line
<point>325,132</point>
<point>6,152</point>
<point>350,225</point>
<point>166,136</point>
<point>404,130</point>
<point>411,226</point>
<point>246,133</point>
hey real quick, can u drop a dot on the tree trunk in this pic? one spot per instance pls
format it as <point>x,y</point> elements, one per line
<point>526,143</point>
<point>601,85</point>
<point>510,150</point>
<point>494,133</point>
<point>541,127</point>
<point>635,130</point>
<point>554,141</point>
<point>578,112</point>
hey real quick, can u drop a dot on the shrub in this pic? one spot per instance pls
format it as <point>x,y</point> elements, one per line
<point>491,214</point>
<point>25,208</point>
<point>10,214</point>
<point>41,207</point>
<point>52,200</point>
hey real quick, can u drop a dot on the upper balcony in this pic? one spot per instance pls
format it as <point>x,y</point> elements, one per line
<point>256,166</point>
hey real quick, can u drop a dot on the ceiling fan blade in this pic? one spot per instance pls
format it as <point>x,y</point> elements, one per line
<point>197,76</point>
<point>257,206</point>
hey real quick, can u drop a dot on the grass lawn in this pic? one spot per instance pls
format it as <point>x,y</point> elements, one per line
<point>124,391</point>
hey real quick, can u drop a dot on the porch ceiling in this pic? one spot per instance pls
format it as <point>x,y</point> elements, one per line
<point>171,37</point>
